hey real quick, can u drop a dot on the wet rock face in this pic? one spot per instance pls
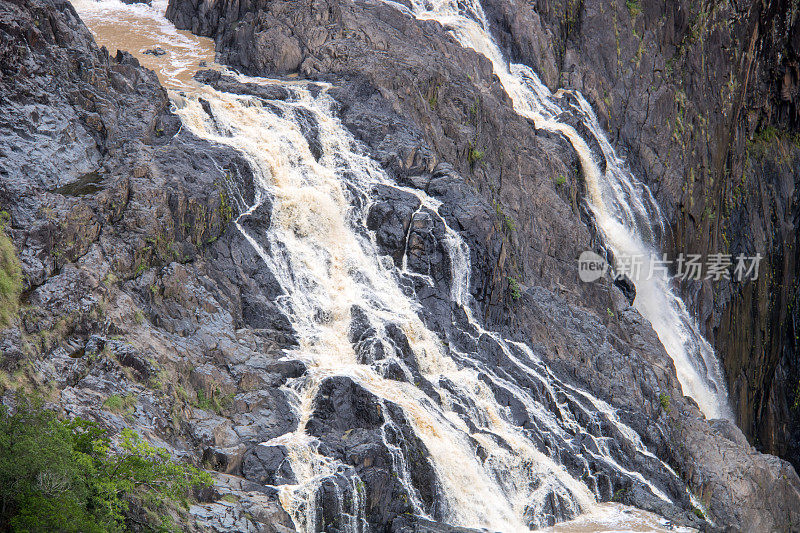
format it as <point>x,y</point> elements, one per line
<point>451,111</point>
<point>139,286</point>
<point>375,438</point>
<point>268,465</point>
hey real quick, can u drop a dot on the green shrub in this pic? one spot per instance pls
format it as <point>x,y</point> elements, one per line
<point>561,180</point>
<point>213,401</point>
<point>634,8</point>
<point>763,139</point>
<point>508,222</point>
<point>204,400</point>
<point>663,399</point>
<point>767,134</point>
<point>225,207</point>
<point>119,404</point>
<point>513,286</point>
<point>66,476</point>
<point>474,155</point>
<point>10,276</point>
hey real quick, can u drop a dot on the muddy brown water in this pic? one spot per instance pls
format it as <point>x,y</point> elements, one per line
<point>142,30</point>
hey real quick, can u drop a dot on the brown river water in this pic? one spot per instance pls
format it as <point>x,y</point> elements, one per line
<point>138,28</point>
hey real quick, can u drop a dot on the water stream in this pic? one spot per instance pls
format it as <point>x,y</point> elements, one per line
<point>491,471</point>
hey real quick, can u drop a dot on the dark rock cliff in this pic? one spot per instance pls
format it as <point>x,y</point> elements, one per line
<point>134,288</point>
<point>706,99</point>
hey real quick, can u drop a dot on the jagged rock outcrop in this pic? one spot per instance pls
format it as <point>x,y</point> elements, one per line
<point>442,123</point>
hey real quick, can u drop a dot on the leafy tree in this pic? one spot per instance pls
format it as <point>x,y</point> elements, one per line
<point>67,476</point>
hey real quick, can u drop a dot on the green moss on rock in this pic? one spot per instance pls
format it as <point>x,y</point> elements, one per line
<point>10,276</point>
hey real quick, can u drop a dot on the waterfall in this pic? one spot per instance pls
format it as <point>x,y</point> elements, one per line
<point>625,211</point>
<point>327,265</point>
<point>512,446</point>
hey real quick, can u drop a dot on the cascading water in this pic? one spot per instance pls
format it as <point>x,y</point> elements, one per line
<point>548,459</point>
<point>326,267</point>
<point>625,212</point>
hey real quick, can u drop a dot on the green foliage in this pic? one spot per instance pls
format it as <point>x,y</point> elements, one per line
<point>225,207</point>
<point>663,399</point>
<point>561,180</point>
<point>474,111</point>
<point>766,134</point>
<point>773,143</point>
<point>513,286</point>
<point>160,249</point>
<point>66,475</point>
<point>10,275</point>
<point>634,8</point>
<point>204,400</point>
<point>681,126</point>
<point>474,155</point>
<point>119,404</point>
<point>572,12</point>
<point>508,222</point>
<point>213,401</point>
<point>140,268</point>
<point>698,513</point>
<point>433,96</point>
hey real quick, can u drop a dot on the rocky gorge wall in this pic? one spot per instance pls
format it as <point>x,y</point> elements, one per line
<point>245,31</point>
<point>134,289</point>
<point>704,96</point>
<point>139,285</point>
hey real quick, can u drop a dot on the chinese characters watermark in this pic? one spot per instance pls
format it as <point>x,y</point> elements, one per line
<point>685,267</point>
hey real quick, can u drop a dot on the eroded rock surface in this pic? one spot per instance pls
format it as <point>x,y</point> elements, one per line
<point>135,288</point>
